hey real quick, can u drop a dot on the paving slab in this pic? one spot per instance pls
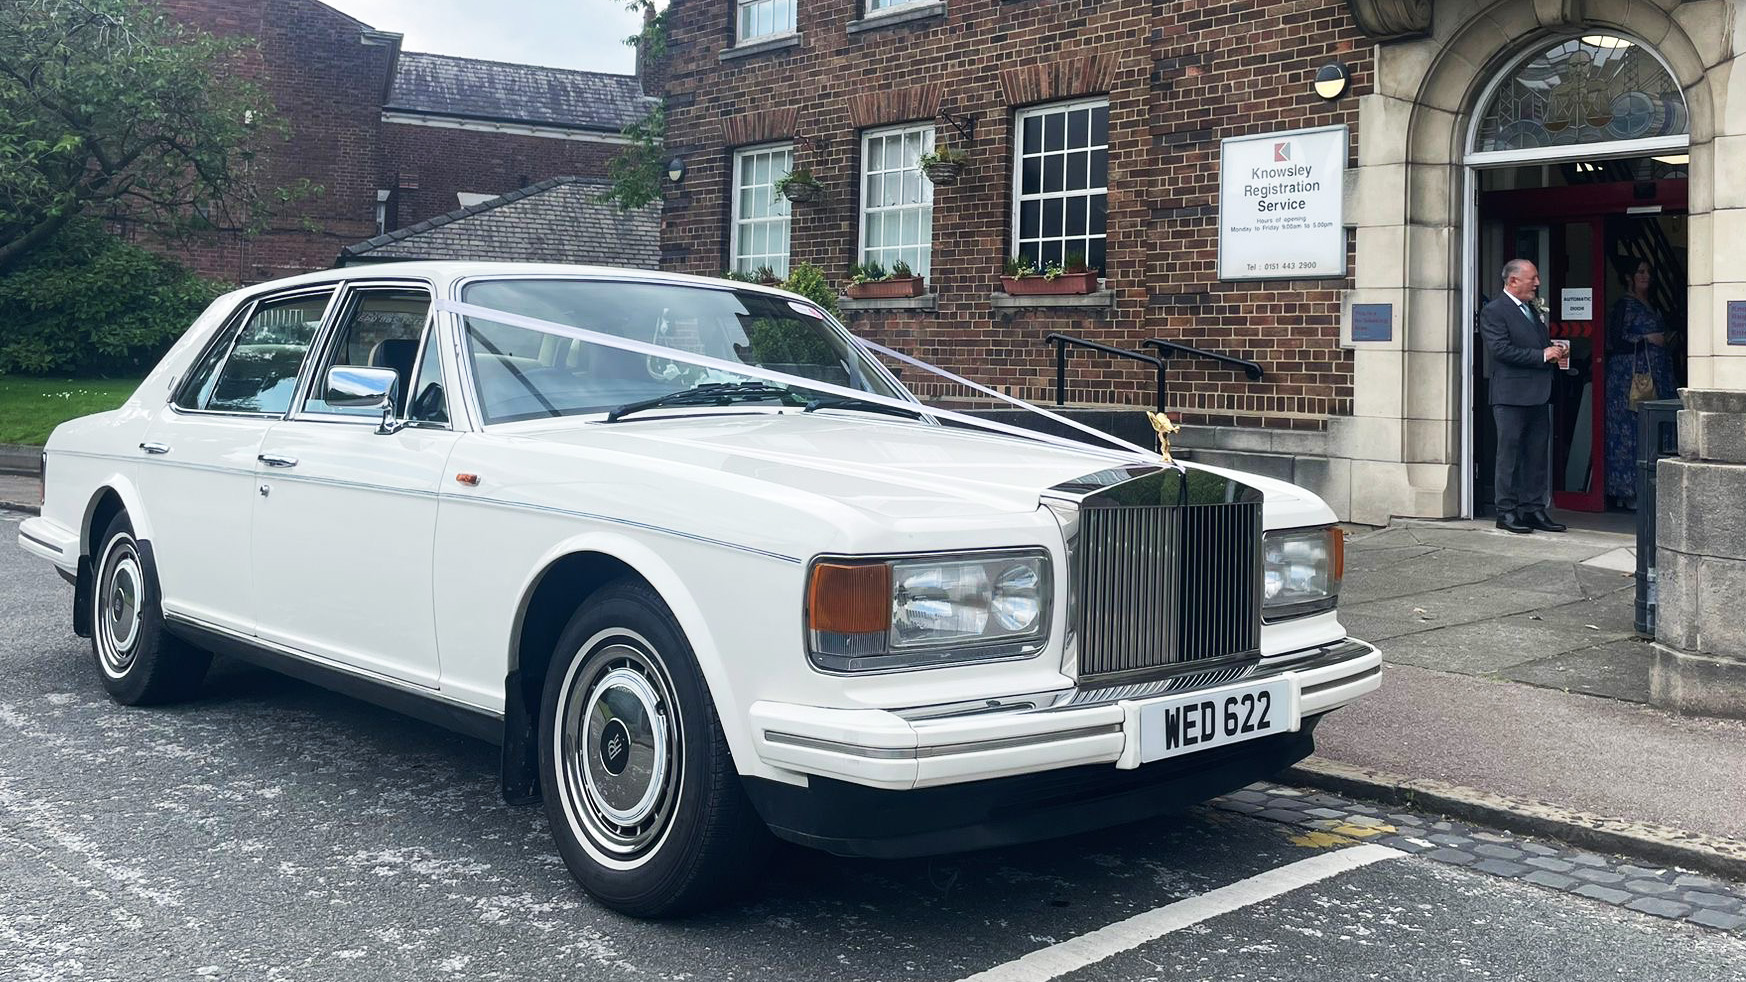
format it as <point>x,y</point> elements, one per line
<point>1483,647</point>
<point>1617,670</point>
<point>1425,573</point>
<point>1595,755</point>
<point>1438,609</point>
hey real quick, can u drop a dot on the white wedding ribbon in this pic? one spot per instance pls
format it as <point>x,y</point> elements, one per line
<point>1128,452</point>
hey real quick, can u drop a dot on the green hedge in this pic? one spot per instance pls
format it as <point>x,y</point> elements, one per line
<point>90,304</point>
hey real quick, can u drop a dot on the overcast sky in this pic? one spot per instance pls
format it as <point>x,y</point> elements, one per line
<point>586,34</point>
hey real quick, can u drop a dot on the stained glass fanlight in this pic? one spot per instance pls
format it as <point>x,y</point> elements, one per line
<point>1583,90</point>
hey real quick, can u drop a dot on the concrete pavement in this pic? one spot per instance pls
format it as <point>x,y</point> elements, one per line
<point>1515,686</point>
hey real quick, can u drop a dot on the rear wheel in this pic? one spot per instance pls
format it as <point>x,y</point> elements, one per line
<point>639,786</point>
<point>140,663</point>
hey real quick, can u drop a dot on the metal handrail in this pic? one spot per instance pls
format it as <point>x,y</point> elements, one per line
<point>1061,341</point>
<point>1252,369</point>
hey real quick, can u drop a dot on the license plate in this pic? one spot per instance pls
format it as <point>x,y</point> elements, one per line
<point>1198,721</point>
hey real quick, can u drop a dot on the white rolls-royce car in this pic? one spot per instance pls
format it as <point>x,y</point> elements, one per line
<point>699,563</point>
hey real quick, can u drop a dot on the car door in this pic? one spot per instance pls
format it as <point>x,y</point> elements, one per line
<point>345,519</point>
<point>198,458</point>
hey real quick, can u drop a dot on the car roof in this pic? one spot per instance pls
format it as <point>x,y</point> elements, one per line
<point>444,273</point>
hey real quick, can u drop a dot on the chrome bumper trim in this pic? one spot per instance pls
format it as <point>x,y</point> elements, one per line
<point>942,750</point>
<point>1062,700</point>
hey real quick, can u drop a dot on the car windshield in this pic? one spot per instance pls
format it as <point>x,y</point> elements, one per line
<point>528,374</point>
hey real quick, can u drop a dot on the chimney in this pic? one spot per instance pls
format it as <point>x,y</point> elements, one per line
<point>651,73</point>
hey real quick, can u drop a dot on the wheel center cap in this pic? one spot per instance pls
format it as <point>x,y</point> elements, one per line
<point>614,747</point>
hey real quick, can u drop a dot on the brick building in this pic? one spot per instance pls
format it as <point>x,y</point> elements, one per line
<point>1588,135</point>
<point>394,138</point>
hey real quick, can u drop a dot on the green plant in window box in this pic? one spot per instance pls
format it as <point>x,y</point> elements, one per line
<point>1021,277</point>
<point>799,186</point>
<point>871,281</point>
<point>767,276</point>
<point>944,164</point>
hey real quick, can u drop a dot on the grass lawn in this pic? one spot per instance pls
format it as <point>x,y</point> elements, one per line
<point>30,408</point>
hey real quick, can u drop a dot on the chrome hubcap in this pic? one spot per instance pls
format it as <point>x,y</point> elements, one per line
<point>619,739</point>
<point>119,595</point>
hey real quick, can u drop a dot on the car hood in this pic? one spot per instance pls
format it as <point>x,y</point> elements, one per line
<point>894,469</point>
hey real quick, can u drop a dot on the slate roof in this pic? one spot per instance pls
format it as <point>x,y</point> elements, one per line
<point>443,85</point>
<point>561,220</point>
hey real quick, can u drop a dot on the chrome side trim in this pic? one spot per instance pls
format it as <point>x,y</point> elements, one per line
<point>362,674</point>
<point>458,499</point>
<point>46,544</point>
<point>469,499</point>
<point>942,750</point>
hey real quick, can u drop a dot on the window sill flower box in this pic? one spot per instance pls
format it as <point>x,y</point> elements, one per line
<point>909,286</point>
<point>1042,286</point>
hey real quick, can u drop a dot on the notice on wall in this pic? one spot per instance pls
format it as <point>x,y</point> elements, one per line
<point>1373,322</point>
<point>1576,304</point>
<point>1282,203</point>
<point>1737,322</point>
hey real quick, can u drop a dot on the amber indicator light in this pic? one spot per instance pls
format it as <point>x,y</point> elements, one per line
<point>849,599</point>
<point>470,480</point>
<point>1339,551</point>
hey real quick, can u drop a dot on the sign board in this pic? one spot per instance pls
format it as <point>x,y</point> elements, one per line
<point>1282,199</point>
<point>1373,322</point>
<point>1576,304</point>
<point>1737,322</point>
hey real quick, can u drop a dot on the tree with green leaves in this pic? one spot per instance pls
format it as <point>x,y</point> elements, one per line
<point>637,170</point>
<point>108,107</point>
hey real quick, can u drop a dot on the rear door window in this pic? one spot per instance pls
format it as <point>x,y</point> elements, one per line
<point>259,371</point>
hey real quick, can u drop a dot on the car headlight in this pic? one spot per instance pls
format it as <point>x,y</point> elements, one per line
<point>872,615</point>
<point>1303,568</point>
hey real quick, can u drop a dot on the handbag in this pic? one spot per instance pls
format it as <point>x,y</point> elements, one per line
<point>1642,383</point>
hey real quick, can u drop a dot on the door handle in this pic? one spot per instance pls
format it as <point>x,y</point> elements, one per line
<point>276,460</point>
<point>155,447</point>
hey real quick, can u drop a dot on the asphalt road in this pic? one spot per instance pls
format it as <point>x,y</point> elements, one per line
<point>271,830</point>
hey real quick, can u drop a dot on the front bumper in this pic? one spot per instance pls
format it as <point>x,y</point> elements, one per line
<point>935,746</point>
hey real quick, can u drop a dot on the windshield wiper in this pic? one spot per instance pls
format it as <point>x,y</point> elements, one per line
<point>866,405</point>
<point>710,394</point>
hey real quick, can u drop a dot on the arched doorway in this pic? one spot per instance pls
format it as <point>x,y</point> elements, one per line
<point>1576,157</point>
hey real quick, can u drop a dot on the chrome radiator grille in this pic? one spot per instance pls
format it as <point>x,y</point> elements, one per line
<point>1166,586</point>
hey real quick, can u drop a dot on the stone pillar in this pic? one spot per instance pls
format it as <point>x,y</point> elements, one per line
<point>1700,557</point>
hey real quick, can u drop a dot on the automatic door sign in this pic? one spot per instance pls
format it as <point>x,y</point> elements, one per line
<point>1282,204</point>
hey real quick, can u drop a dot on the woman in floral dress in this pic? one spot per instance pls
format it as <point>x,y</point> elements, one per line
<point>1639,339</point>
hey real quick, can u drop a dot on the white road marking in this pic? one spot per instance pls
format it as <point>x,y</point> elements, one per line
<point>1076,953</point>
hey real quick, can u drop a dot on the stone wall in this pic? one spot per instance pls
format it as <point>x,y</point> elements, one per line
<point>1700,556</point>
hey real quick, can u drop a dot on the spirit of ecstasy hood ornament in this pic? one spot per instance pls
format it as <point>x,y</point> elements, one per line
<point>1164,428</point>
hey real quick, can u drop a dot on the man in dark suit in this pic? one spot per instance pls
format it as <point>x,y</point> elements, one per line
<point>1522,360</point>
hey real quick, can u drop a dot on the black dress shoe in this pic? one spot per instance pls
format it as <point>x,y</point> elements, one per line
<point>1538,519</point>
<point>1509,521</point>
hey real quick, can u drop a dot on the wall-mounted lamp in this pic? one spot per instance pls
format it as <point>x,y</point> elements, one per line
<point>676,170</point>
<point>1332,80</point>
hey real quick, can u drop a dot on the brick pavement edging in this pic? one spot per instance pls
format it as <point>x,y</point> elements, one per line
<point>1710,854</point>
<point>1331,821</point>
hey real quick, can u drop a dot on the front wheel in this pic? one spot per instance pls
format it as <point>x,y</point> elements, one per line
<point>140,663</point>
<point>639,785</point>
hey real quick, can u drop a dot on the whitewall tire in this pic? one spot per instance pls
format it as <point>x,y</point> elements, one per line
<point>138,661</point>
<point>639,786</point>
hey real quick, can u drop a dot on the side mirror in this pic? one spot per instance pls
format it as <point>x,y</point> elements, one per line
<point>356,387</point>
